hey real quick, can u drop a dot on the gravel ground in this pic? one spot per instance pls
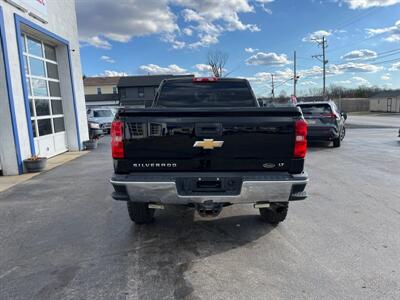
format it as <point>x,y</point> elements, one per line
<point>63,237</point>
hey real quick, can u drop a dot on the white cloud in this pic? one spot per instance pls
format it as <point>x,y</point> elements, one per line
<point>120,21</point>
<point>107,59</point>
<point>392,33</point>
<point>153,69</point>
<point>250,50</point>
<point>315,72</point>
<point>363,4</point>
<point>359,54</point>
<point>265,77</point>
<point>358,67</point>
<point>103,21</point>
<point>265,1</point>
<point>110,73</point>
<point>308,83</point>
<point>395,67</point>
<point>187,31</point>
<point>361,80</point>
<point>343,82</point>
<point>259,77</point>
<point>267,59</point>
<point>317,35</point>
<point>171,39</point>
<point>209,19</point>
<point>263,4</point>
<point>97,42</point>
<point>203,68</point>
<point>223,10</point>
<point>385,77</point>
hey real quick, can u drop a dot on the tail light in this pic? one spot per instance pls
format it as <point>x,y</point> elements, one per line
<point>204,79</point>
<point>333,116</point>
<point>117,143</point>
<point>300,144</point>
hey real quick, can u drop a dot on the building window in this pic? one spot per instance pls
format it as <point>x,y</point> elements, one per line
<point>141,92</point>
<point>115,90</point>
<point>99,91</point>
<point>43,83</point>
<point>123,93</point>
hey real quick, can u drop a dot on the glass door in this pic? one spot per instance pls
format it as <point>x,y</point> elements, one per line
<point>47,115</point>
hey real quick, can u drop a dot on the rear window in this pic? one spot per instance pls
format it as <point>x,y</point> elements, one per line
<point>206,94</point>
<point>316,109</point>
<point>102,113</point>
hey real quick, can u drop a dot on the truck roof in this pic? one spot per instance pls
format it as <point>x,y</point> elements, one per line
<point>315,102</point>
<point>190,79</point>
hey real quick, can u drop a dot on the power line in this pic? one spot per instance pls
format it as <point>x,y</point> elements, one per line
<point>383,56</point>
<point>356,19</point>
<point>386,61</point>
<point>357,42</point>
<point>378,56</point>
<point>349,22</point>
<point>283,82</point>
<point>389,51</point>
<point>306,58</point>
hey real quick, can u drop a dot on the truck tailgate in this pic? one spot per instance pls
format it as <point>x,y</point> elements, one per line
<point>227,140</point>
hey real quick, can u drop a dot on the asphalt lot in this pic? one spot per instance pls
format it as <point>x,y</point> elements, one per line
<point>63,237</point>
<point>376,120</point>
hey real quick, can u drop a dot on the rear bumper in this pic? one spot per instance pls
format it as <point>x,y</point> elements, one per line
<point>255,188</point>
<point>322,133</point>
<point>106,127</point>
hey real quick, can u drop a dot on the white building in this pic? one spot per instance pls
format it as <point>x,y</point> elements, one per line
<point>387,101</point>
<point>42,104</point>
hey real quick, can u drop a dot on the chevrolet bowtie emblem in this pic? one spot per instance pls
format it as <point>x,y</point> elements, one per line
<point>208,144</point>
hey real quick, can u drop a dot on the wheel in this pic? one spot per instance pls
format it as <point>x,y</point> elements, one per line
<point>140,213</point>
<point>276,213</point>
<point>343,134</point>
<point>336,142</point>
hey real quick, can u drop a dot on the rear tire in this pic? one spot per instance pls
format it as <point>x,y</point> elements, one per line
<point>343,133</point>
<point>276,213</point>
<point>336,142</point>
<point>140,213</point>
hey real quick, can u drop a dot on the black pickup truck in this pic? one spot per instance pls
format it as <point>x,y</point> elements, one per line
<point>205,143</point>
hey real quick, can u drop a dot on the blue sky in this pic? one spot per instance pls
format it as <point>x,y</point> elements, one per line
<point>174,36</point>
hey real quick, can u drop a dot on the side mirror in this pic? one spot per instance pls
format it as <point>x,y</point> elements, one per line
<point>344,115</point>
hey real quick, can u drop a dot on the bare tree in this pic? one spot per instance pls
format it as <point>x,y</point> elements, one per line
<point>282,95</point>
<point>217,60</point>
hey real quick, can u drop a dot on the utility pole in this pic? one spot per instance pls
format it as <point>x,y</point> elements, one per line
<point>273,87</point>
<point>294,74</point>
<point>324,61</point>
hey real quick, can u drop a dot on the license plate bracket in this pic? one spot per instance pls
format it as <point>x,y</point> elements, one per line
<point>209,186</point>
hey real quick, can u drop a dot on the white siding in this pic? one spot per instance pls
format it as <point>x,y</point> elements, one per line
<point>62,22</point>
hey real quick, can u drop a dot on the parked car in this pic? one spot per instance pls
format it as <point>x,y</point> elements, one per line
<point>206,143</point>
<point>101,116</point>
<point>325,122</point>
<point>95,132</point>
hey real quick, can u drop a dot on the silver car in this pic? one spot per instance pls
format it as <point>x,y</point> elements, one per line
<point>101,116</point>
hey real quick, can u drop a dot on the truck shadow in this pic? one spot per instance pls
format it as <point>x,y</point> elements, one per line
<point>170,245</point>
<point>314,146</point>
